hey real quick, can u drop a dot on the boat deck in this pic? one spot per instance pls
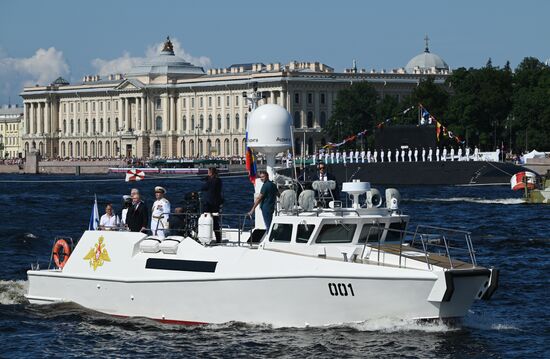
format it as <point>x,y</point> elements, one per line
<point>418,255</point>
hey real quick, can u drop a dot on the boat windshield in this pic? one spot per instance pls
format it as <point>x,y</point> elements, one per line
<point>336,233</point>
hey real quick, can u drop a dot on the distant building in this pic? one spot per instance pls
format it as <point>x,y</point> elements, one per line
<point>10,134</point>
<point>168,107</point>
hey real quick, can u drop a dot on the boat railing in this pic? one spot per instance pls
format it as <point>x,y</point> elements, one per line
<point>429,241</point>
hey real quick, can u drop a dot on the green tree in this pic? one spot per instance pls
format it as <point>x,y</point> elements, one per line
<point>531,105</point>
<point>354,110</point>
<point>432,96</point>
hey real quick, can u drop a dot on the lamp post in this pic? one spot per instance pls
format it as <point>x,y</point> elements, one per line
<point>209,145</point>
<point>197,127</point>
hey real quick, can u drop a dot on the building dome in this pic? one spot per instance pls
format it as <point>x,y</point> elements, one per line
<point>166,64</point>
<point>426,62</point>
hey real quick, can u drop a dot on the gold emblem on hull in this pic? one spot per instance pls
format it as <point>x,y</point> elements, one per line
<point>98,254</point>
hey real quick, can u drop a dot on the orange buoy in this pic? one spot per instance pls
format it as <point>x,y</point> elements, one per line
<point>61,247</point>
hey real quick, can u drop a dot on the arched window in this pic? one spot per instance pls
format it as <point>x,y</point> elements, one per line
<point>101,125</point>
<point>310,119</point>
<point>99,149</point>
<point>201,122</point>
<point>86,127</point>
<point>64,126</point>
<point>226,147</point>
<point>297,120</point>
<point>192,148</point>
<point>227,122</point>
<point>94,128</point>
<point>116,125</point>
<point>63,151</point>
<point>41,148</point>
<point>92,149</point>
<point>108,125</point>
<point>85,149</point>
<point>235,147</point>
<point>184,123</point>
<point>156,148</point>
<point>208,147</point>
<point>218,147</point>
<point>246,120</point>
<point>183,152</point>
<point>219,122</point>
<point>116,148</point>
<point>298,146</point>
<point>237,122</point>
<point>107,149</point>
<point>78,127</point>
<point>310,146</point>
<point>158,124</point>
<point>323,119</point>
<point>193,122</point>
<point>158,103</point>
<point>200,149</point>
<point>77,146</point>
<point>210,123</point>
<point>72,126</point>
<point>243,146</point>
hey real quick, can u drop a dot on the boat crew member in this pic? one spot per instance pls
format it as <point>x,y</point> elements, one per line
<point>212,199</point>
<point>126,204</point>
<point>476,154</point>
<point>356,156</point>
<point>389,154</point>
<point>460,154</point>
<point>326,156</point>
<point>337,156</point>
<point>430,153</point>
<point>416,155</point>
<point>109,219</point>
<point>160,213</point>
<point>363,156</point>
<point>266,199</point>
<point>382,154</point>
<point>137,216</point>
<point>452,153</point>
<point>403,155</point>
<point>467,153</point>
<point>423,154</point>
<point>410,153</point>
<point>350,156</point>
<point>444,154</point>
<point>375,156</point>
<point>437,154</point>
<point>331,157</point>
<point>369,156</point>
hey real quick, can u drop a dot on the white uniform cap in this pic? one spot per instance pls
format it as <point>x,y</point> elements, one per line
<point>160,189</point>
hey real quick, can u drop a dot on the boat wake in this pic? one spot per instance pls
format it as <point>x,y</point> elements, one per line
<point>486,322</point>
<point>13,291</point>
<point>393,325</point>
<point>505,201</point>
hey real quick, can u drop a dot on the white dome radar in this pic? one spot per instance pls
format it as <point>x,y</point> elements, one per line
<point>269,129</point>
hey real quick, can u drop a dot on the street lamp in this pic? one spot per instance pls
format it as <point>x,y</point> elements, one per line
<point>197,127</point>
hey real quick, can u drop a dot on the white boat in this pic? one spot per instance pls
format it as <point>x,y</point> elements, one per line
<point>313,266</point>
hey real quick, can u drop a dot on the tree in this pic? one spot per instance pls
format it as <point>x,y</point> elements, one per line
<point>432,96</point>
<point>354,110</point>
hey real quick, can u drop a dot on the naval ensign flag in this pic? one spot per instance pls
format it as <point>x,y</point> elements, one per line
<point>94,218</point>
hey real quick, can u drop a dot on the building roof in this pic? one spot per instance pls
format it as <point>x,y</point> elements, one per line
<point>426,61</point>
<point>166,63</point>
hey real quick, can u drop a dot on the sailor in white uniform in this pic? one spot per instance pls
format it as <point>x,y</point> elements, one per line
<point>444,154</point>
<point>430,153</point>
<point>375,156</point>
<point>363,156</point>
<point>160,213</point>
<point>389,154</point>
<point>423,154</point>
<point>416,155</point>
<point>460,154</point>
<point>437,154</point>
<point>452,153</point>
<point>382,155</point>
<point>331,157</point>
<point>356,156</point>
<point>476,154</point>
<point>467,153</point>
<point>410,154</point>
<point>403,155</point>
<point>350,156</point>
<point>369,156</point>
<point>337,156</point>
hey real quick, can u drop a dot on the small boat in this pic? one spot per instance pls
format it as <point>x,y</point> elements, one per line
<point>536,188</point>
<point>321,262</point>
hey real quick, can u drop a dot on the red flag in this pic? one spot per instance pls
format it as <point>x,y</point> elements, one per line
<point>437,129</point>
<point>251,165</point>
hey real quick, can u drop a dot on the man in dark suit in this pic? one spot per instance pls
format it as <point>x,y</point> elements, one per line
<point>212,198</point>
<point>138,216</point>
<point>323,175</point>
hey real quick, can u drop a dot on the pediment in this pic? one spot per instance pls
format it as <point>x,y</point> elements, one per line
<point>130,84</point>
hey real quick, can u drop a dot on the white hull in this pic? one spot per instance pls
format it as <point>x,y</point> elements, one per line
<point>253,286</point>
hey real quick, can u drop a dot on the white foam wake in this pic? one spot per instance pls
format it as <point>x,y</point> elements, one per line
<point>12,292</point>
<point>392,325</point>
<point>506,201</point>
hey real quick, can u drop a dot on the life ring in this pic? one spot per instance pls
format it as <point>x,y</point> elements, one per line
<point>61,246</point>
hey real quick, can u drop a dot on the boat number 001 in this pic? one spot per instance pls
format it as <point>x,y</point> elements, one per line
<point>342,289</point>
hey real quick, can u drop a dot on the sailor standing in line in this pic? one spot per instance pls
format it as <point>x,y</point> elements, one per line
<point>423,154</point>
<point>460,154</point>
<point>444,154</point>
<point>356,156</point>
<point>350,156</point>
<point>452,153</point>
<point>467,153</point>
<point>160,213</point>
<point>416,155</point>
<point>430,153</point>
<point>403,155</point>
<point>363,156</point>
<point>437,154</point>
<point>337,156</point>
<point>326,156</point>
<point>389,154</point>
<point>375,156</point>
<point>369,156</point>
<point>332,157</point>
<point>476,154</point>
<point>410,153</point>
<point>382,155</point>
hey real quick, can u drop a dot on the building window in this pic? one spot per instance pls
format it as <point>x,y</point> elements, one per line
<point>158,103</point>
<point>246,120</point>
<point>296,98</point>
<point>228,122</point>
<point>116,106</point>
<point>237,122</point>
<point>86,126</point>
<point>219,101</point>
<point>156,148</point>
<point>309,98</point>
<point>116,125</point>
<point>101,125</point>
<point>323,119</point>
<point>192,102</point>
<point>219,122</point>
<point>101,106</point>
<point>109,125</point>
<point>209,101</point>
<point>108,105</point>
<point>201,122</point>
<point>236,100</point>
<point>65,107</point>
<point>201,102</point>
<point>227,100</point>
<point>72,107</point>
<point>93,126</point>
<point>297,120</point>
<point>78,107</point>
<point>210,123</point>
<point>193,122</point>
<point>310,119</point>
<point>85,107</point>
<point>158,124</point>
<point>93,106</point>
<point>184,103</point>
<point>184,123</point>
<point>322,98</point>
<point>72,126</point>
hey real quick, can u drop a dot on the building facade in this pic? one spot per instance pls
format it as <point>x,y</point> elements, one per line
<point>10,131</point>
<point>168,107</point>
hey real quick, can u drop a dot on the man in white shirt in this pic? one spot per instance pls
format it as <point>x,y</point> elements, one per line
<point>109,220</point>
<point>382,154</point>
<point>160,213</point>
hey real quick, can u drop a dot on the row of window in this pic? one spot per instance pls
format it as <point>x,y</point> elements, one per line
<point>9,141</point>
<point>87,107</point>
<point>99,150</point>
<point>334,233</point>
<point>9,127</point>
<point>209,99</point>
<point>87,127</point>
<point>310,123</point>
<point>322,98</point>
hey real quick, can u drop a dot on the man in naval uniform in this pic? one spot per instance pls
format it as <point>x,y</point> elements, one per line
<point>476,154</point>
<point>430,153</point>
<point>332,157</point>
<point>423,154</point>
<point>403,155</point>
<point>350,156</point>
<point>337,156</point>
<point>382,154</point>
<point>375,156</point>
<point>467,153</point>
<point>416,155</point>
<point>356,156</point>
<point>452,153</point>
<point>160,213</point>
<point>363,156</point>
<point>410,153</point>
<point>369,156</point>
<point>444,154</point>
<point>389,154</point>
<point>460,154</point>
<point>437,154</point>
<point>326,156</point>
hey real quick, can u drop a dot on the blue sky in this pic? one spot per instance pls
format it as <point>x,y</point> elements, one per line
<point>88,37</point>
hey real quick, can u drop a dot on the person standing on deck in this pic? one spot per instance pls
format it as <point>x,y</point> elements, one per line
<point>266,199</point>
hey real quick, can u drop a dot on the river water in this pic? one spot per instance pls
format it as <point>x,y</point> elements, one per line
<point>511,236</point>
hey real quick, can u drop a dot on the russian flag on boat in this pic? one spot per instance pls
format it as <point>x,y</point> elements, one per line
<point>94,217</point>
<point>521,179</point>
<point>250,162</point>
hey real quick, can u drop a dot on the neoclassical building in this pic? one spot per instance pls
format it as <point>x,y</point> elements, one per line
<point>10,130</point>
<point>168,107</point>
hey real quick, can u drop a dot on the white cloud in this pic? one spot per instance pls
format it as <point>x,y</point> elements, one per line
<point>41,68</point>
<point>124,63</point>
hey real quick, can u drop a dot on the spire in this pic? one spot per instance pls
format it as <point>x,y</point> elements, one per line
<point>168,47</point>
<point>426,39</point>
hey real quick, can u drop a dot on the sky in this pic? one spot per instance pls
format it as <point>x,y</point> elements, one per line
<point>41,40</point>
